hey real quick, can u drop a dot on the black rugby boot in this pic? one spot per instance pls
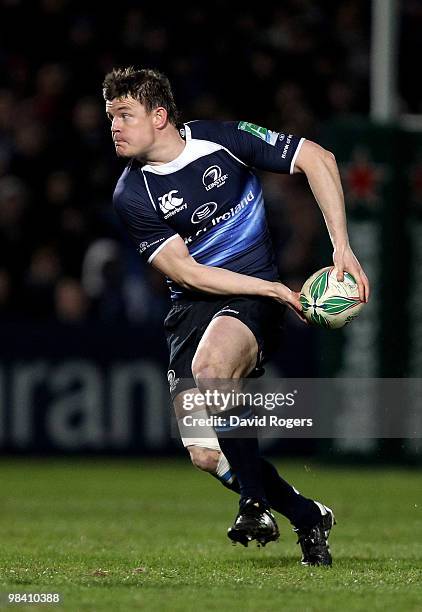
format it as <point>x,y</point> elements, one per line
<point>254,522</point>
<point>314,540</point>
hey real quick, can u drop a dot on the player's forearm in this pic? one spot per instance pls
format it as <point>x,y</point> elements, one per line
<point>197,277</point>
<point>324,180</point>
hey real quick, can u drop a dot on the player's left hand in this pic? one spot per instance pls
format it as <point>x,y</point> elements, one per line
<point>290,298</point>
<point>346,261</point>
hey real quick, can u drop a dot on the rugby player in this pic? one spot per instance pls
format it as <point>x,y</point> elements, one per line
<point>194,208</point>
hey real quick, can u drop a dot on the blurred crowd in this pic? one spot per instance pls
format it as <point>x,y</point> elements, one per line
<point>288,65</point>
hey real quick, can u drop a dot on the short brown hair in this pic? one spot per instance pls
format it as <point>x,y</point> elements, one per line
<point>150,87</point>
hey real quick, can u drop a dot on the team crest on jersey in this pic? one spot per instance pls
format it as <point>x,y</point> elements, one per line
<point>213,177</point>
<point>260,132</point>
<point>170,204</point>
<point>172,380</point>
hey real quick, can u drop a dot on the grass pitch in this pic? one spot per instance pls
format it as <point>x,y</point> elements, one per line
<point>150,535</point>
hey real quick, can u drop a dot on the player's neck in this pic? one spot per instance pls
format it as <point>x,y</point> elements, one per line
<point>166,148</point>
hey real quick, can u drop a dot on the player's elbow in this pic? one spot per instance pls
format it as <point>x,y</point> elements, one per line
<point>186,275</point>
<point>323,155</point>
<point>312,157</point>
<point>329,157</point>
<point>325,160</point>
<point>181,280</point>
<point>180,268</point>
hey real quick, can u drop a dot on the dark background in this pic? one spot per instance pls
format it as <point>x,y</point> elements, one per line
<point>74,296</point>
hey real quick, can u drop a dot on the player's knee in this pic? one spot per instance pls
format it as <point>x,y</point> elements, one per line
<point>205,459</point>
<point>206,368</point>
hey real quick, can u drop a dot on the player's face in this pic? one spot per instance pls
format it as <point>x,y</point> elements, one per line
<point>131,127</point>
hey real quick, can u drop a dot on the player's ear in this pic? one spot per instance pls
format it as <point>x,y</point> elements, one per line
<point>159,117</point>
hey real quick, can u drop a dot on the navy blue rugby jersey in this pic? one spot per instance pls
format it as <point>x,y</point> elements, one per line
<point>210,196</point>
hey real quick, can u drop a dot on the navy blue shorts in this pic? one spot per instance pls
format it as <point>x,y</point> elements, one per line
<point>187,321</point>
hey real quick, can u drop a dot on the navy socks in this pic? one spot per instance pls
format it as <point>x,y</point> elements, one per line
<point>282,497</point>
<point>242,453</point>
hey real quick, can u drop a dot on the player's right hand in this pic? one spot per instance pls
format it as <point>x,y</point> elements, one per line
<point>345,260</point>
<point>290,298</point>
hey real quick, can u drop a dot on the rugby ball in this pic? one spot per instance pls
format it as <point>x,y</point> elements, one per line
<point>330,303</point>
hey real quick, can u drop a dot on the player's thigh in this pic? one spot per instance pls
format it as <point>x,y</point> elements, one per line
<point>228,349</point>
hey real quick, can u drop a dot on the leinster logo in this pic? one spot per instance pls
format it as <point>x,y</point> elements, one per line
<point>203,212</point>
<point>213,177</point>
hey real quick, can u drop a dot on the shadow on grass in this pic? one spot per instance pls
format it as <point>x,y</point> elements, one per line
<point>269,562</point>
